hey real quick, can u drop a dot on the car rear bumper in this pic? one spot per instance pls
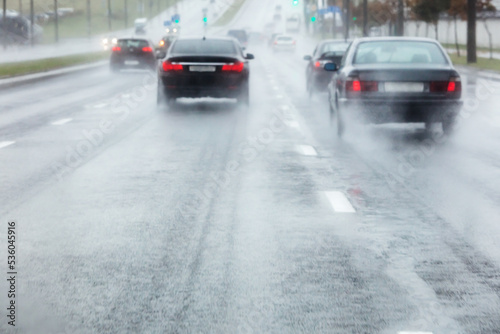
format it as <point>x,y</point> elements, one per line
<point>402,111</point>
<point>215,86</point>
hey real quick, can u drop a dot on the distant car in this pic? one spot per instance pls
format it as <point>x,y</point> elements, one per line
<point>140,25</point>
<point>330,50</point>
<point>277,17</point>
<point>240,35</point>
<point>284,43</point>
<point>277,8</point>
<point>272,38</point>
<point>292,24</point>
<point>395,79</point>
<point>132,53</point>
<point>173,30</point>
<point>204,67</point>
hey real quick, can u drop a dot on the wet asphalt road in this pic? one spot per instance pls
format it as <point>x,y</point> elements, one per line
<point>213,218</point>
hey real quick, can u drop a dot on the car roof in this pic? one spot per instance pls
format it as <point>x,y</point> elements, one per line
<point>211,38</point>
<point>395,38</point>
<point>330,41</point>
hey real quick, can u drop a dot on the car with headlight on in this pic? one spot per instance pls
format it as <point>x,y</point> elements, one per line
<point>165,42</point>
<point>395,80</point>
<point>196,67</point>
<point>133,53</point>
<point>173,30</point>
<point>330,50</point>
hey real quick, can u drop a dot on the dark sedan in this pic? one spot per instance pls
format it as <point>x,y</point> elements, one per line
<point>204,67</point>
<point>390,80</point>
<point>331,50</point>
<point>132,53</point>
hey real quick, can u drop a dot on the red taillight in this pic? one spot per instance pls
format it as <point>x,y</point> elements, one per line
<point>454,85</point>
<point>275,43</point>
<point>147,49</point>
<point>317,64</point>
<point>236,67</point>
<point>116,48</point>
<point>356,85</point>
<point>169,66</point>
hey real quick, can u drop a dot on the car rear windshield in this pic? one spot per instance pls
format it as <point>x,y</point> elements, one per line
<point>399,52</point>
<point>284,39</point>
<point>204,47</point>
<point>132,43</point>
<point>337,48</point>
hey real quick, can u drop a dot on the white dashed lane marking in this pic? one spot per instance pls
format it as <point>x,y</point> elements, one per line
<point>307,150</point>
<point>414,332</point>
<point>339,202</point>
<point>62,121</point>
<point>6,143</point>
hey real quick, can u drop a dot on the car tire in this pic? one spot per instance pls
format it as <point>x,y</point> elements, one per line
<point>448,126</point>
<point>340,123</point>
<point>244,96</point>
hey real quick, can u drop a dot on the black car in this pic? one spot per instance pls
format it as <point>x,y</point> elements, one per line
<point>204,67</point>
<point>132,53</point>
<point>331,50</point>
<point>395,79</point>
<point>240,34</point>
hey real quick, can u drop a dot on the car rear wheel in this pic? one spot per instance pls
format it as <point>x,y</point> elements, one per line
<point>340,123</point>
<point>244,97</point>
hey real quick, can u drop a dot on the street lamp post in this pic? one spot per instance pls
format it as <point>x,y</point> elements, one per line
<point>4,24</point>
<point>56,21</point>
<point>110,15</point>
<point>401,17</point>
<point>88,19</point>
<point>32,19</point>
<point>365,18</point>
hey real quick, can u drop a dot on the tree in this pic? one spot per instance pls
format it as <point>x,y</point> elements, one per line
<point>429,11</point>
<point>458,9</point>
<point>485,9</point>
<point>471,32</point>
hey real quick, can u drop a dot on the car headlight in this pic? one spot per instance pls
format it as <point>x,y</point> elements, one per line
<point>105,41</point>
<point>114,41</point>
<point>167,30</point>
<point>175,30</point>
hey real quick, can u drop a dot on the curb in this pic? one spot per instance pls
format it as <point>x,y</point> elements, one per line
<point>30,78</point>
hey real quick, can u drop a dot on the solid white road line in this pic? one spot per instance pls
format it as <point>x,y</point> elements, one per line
<point>62,121</point>
<point>407,332</point>
<point>6,143</point>
<point>307,150</point>
<point>339,202</point>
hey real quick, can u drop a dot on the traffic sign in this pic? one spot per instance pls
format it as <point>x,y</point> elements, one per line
<point>176,18</point>
<point>329,9</point>
<point>167,23</point>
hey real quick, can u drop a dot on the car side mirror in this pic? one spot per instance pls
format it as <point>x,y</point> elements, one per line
<point>308,58</point>
<point>249,56</point>
<point>160,54</point>
<point>331,67</point>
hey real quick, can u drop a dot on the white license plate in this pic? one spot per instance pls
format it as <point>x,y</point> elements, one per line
<point>202,68</point>
<point>404,87</point>
<point>131,62</point>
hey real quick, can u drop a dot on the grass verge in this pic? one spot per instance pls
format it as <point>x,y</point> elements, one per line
<point>482,63</point>
<point>42,65</point>
<point>229,13</point>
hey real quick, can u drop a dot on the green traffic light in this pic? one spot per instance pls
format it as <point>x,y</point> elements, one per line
<point>295,2</point>
<point>313,19</point>
<point>204,19</point>
<point>176,21</point>
<point>354,18</point>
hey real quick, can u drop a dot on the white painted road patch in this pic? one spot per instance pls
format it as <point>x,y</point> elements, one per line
<point>339,202</point>
<point>62,121</point>
<point>307,150</point>
<point>407,332</point>
<point>6,143</point>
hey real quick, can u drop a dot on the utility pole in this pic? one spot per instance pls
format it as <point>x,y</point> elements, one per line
<point>32,19</point>
<point>21,7</point>
<point>110,15</point>
<point>400,25</point>
<point>347,18</point>
<point>56,21</point>
<point>89,31</point>
<point>471,32</point>
<point>365,18</point>
<point>4,24</point>
<point>126,13</point>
